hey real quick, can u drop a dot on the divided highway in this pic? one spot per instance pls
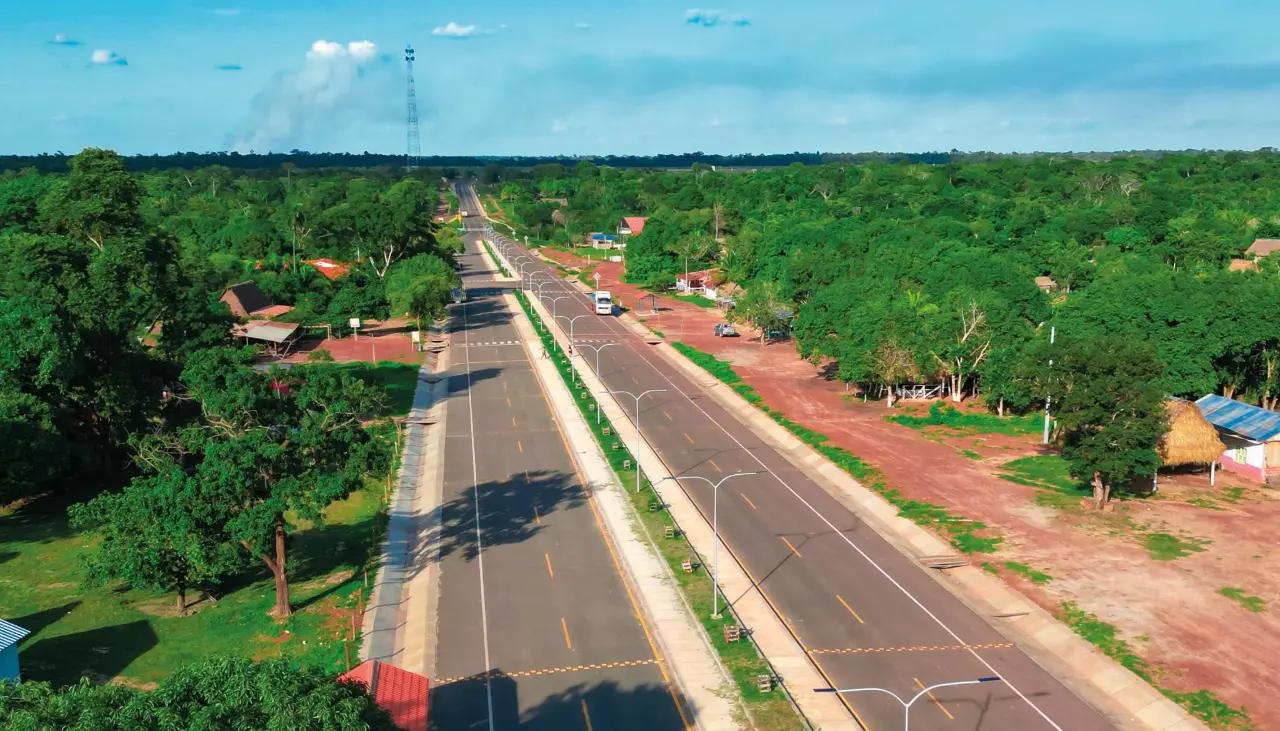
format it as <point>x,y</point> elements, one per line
<point>536,628</point>
<point>867,615</point>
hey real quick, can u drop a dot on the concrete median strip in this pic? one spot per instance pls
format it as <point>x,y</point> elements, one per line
<point>791,663</point>
<point>685,651</point>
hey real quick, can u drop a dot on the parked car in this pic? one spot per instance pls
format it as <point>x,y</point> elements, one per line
<point>459,295</point>
<point>724,330</point>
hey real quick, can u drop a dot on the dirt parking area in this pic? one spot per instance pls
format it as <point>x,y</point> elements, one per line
<point>1186,577</point>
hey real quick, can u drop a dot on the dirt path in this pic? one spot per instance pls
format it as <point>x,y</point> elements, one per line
<point>1170,611</point>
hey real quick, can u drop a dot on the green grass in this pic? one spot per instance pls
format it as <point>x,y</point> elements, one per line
<point>1202,704</point>
<point>1050,473</point>
<point>399,379</point>
<point>967,536</point>
<point>770,710</point>
<point>970,454</point>
<point>1251,603</point>
<point>1167,547</point>
<point>964,422</point>
<point>693,299</point>
<point>1028,573</point>
<point>494,257</point>
<point>136,635</point>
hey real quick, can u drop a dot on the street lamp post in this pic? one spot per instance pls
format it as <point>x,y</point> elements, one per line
<point>554,300</point>
<point>906,705</point>
<point>598,348</point>
<point>1053,331</point>
<point>715,528</point>
<point>571,321</point>
<point>636,454</point>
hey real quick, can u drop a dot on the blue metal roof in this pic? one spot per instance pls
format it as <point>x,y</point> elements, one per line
<point>10,634</point>
<point>1253,422</point>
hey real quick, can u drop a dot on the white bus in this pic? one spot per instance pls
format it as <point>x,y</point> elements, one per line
<point>604,303</point>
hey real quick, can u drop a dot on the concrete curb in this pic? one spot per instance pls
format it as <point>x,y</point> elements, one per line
<point>684,648</point>
<point>393,620</point>
<point>792,664</point>
<point>496,270</point>
<point>1123,697</point>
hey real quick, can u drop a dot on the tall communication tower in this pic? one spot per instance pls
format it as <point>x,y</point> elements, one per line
<point>415,145</point>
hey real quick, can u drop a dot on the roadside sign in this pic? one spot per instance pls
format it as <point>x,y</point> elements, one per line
<point>417,336</point>
<point>597,276</point>
<point>354,323</point>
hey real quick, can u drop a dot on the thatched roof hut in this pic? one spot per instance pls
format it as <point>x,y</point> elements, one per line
<point>1191,439</point>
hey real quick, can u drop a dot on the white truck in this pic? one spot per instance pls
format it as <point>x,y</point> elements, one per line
<point>603,302</point>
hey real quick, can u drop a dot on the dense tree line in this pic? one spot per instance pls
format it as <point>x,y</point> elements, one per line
<point>109,284</point>
<point>910,273</point>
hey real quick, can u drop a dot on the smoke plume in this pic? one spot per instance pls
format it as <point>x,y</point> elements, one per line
<point>336,88</point>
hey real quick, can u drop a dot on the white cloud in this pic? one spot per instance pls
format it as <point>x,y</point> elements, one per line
<point>559,126</point>
<point>63,40</point>
<point>59,117</point>
<point>454,30</point>
<point>580,25</point>
<point>227,12</point>
<point>337,82</point>
<point>107,57</point>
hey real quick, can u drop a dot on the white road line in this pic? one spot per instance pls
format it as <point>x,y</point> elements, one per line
<point>829,524</point>
<point>475,491</point>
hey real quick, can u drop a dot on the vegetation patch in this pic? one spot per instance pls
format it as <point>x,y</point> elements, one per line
<point>970,454</point>
<point>1168,547</point>
<point>967,422</point>
<point>1028,573</point>
<point>693,299</point>
<point>967,536</point>
<point>1251,603</point>
<point>1202,704</point>
<point>494,257</point>
<point>770,710</point>
<point>1052,475</point>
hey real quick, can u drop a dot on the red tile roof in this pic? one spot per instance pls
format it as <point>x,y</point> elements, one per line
<point>399,692</point>
<point>329,268</point>
<point>1263,247</point>
<point>635,223</point>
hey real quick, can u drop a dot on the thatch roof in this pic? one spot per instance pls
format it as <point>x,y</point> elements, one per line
<point>1191,439</point>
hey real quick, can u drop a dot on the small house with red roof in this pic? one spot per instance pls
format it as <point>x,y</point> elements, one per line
<point>632,225</point>
<point>402,694</point>
<point>329,268</point>
<point>247,299</point>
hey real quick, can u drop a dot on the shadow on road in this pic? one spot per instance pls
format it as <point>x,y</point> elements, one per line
<point>554,706</point>
<point>510,512</point>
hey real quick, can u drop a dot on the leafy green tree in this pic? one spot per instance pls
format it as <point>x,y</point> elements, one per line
<point>96,201</point>
<point>159,533</point>
<point>764,308</point>
<point>274,448</point>
<point>420,286</point>
<point>214,693</point>
<point>1110,410</point>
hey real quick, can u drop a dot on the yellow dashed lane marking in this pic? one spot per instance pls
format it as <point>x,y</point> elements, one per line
<point>744,497</point>
<point>713,464</point>
<point>936,702</point>
<point>565,626</point>
<point>793,548</point>
<point>547,671</point>
<point>586,716</point>
<point>549,569</point>
<point>846,606</point>
<point>918,648</point>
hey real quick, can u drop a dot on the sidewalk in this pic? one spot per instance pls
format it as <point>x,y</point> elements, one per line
<point>790,661</point>
<point>685,650</point>
<point>398,626</point>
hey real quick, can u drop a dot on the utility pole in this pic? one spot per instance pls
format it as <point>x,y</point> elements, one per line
<point>1052,332</point>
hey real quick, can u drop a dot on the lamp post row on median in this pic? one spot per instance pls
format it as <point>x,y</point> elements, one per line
<point>598,348</point>
<point>571,321</point>
<point>636,454</point>
<point>906,705</point>
<point>715,528</point>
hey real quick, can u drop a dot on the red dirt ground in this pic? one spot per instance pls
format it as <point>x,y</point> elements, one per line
<point>1169,611</point>
<point>389,341</point>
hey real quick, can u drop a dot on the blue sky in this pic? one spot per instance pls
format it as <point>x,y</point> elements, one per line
<point>502,77</point>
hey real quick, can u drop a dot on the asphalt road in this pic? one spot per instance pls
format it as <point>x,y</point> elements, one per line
<point>529,589</point>
<point>867,614</point>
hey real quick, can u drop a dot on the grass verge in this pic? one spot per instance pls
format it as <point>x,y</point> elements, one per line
<point>1028,573</point>
<point>1202,704</point>
<point>966,422</point>
<point>494,258</point>
<point>967,536</point>
<point>1167,547</point>
<point>771,710</point>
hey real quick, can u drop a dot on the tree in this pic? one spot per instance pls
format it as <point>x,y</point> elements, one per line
<point>764,308</point>
<point>161,532</point>
<point>273,448</point>
<point>214,693</point>
<point>420,286</point>
<point>97,200</point>
<point>1110,411</point>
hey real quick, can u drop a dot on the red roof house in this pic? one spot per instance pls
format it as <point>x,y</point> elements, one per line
<point>329,268</point>
<point>400,693</point>
<point>631,225</point>
<point>1263,247</point>
<point>247,299</point>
